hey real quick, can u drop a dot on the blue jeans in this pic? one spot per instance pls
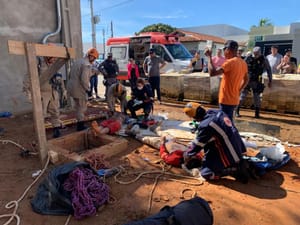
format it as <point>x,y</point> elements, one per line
<point>228,109</point>
<point>93,85</point>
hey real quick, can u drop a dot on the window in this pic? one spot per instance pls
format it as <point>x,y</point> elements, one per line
<point>119,52</point>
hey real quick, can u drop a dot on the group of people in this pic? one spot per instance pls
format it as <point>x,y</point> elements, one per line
<point>83,78</point>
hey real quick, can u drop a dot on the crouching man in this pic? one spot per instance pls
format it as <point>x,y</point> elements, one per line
<point>222,145</point>
<point>117,91</point>
<point>141,98</point>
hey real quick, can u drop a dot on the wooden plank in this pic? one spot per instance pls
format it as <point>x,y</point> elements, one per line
<point>18,48</point>
<point>36,100</point>
<point>52,70</point>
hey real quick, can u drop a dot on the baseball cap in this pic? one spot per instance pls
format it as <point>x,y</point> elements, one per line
<point>256,49</point>
<point>151,50</point>
<point>109,54</point>
<point>233,45</point>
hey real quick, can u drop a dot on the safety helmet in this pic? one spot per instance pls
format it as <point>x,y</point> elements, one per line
<point>93,52</point>
<point>194,110</point>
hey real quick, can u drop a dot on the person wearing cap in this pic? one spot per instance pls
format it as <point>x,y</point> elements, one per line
<point>110,70</point>
<point>152,66</point>
<point>117,91</point>
<point>289,53</point>
<point>234,79</point>
<point>221,142</point>
<point>79,84</point>
<point>218,59</point>
<point>196,63</point>
<point>274,59</point>
<point>257,64</point>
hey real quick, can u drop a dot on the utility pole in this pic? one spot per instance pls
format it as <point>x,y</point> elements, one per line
<point>103,33</point>
<point>93,24</point>
<point>112,29</point>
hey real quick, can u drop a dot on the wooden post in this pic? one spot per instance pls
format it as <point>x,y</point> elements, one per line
<point>36,101</point>
<point>31,51</point>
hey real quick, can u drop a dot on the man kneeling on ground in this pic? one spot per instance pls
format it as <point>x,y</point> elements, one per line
<point>221,142</point>
<point>142,98</point>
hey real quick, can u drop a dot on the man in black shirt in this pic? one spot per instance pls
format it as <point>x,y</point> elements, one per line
<point>142,98</point>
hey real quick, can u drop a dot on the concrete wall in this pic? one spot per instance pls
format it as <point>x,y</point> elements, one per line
<point>30,21</point>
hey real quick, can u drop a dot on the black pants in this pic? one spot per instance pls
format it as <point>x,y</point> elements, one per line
<point>147,106</point>
<point>155,85</point>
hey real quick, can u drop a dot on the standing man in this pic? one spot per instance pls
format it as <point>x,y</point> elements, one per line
<point>274,59</point>
<point>50,90</point>
<point>110,69</point>
<point>94,82</point>
<point>235,77</point>
<point>152,66</point>
<point>257,64</point>
<point>79,84</point>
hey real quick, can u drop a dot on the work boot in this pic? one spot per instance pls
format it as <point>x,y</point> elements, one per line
<point>81,126</point>
<point>242,174</point>
<point>256,112</point>
<point>56,132</point>
<point>237,112</point>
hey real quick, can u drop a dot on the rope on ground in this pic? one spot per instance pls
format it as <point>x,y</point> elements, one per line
<point>160,174</point>
<point>15,204</point>
<point>18,145</point>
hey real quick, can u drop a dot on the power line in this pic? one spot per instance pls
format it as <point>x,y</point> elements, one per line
<point>111,7</point>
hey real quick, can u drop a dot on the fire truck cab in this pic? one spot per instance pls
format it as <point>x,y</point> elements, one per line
<point>167,47</point>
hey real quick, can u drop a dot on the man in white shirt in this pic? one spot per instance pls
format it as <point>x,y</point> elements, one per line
<point>274,59</point>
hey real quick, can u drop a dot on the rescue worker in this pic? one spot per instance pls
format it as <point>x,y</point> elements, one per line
<point>257,64</point>
<point>50,92</point>
<point>117,91</point>
<point>141,98</point>
<point>221,142</point>
<point>110,69</point>
<point>79,84</point>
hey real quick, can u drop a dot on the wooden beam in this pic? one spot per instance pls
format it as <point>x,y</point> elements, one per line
<point>38,116</point>
<point>18,48</point>
<point>46,76</point>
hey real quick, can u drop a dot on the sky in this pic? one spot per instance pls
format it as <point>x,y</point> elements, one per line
<point>130,16</point>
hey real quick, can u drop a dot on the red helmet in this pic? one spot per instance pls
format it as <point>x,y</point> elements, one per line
<point>93,52</point>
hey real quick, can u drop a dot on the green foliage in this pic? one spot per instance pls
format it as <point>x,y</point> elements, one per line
<point>159,27</point>
<point>265,22</point>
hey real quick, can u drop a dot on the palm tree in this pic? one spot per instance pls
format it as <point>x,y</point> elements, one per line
<point>265,22</point>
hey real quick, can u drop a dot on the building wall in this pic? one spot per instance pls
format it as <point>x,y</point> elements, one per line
<point>30,21</point>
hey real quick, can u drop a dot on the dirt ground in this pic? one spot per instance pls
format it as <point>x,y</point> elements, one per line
<point>273,199</point>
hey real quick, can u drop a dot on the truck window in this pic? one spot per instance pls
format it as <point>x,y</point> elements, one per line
<point>119,52</point>
<point>178,51</point>
<point>160,51</point>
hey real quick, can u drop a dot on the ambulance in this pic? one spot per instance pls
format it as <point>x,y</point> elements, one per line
<point>167,47</point>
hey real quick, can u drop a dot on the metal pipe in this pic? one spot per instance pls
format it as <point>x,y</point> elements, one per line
<point>58,2</point>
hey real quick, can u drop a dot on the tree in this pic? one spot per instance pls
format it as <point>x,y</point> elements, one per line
<point>265,22</point>
<point>159,27</point>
